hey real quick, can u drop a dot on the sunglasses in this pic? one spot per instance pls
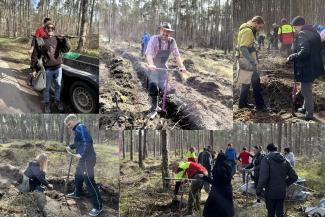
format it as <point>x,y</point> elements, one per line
<point>50,28</point>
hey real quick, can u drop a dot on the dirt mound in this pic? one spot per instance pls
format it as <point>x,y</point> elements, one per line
<point>8,155</point>
<point>189,65</point>
<point>40,146</point>
<point>208,88</point>
<point>9,175</point>
<point>24,146</point>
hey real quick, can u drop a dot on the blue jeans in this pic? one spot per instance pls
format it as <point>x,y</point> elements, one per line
<point>56,76</point>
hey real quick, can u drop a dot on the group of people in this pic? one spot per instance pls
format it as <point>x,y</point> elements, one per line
<point>203,171</point>
<point>272,173</point>
<point>34,179</point>
<point>300,43</point>
<point>46,51</point>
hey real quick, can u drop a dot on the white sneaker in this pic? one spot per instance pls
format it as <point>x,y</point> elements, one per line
<point>95,212</point>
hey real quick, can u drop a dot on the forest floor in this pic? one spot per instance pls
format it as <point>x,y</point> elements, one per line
<point>14,157</point>
<point>277,84</point>
<point>202,101</point>
<point>142,194</point>
<point>15,95</point>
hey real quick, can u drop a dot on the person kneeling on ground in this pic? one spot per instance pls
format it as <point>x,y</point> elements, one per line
<point>34,175</point>
<point>193,171</point>
<point>86,155</point>
<point>220,200</point>
<point>50,50</point>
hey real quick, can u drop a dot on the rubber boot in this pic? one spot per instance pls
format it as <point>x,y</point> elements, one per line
<point>154,107</point>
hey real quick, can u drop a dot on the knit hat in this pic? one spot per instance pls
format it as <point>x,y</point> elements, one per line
<point>271,147</point>
<point>298,21</point>
<point>284,20</point>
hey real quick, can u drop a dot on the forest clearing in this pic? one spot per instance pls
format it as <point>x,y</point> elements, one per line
<point>142,172</point>
<point>281,89</point>
<point>199,99</point>
<point>20,143</point>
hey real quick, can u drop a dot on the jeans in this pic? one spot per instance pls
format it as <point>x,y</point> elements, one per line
<point>244,172</point>
<point>307,92</point>
<point>56,76</point>
<point>274,207</point>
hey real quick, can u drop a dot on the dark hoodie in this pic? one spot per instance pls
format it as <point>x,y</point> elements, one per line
<point>307,55</point>
<point>36,175</point>
<point>276,174</point>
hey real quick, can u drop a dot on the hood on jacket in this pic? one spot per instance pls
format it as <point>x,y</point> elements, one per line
<point>309,28</point>
<point>277,157</point>
<point>246,25</point>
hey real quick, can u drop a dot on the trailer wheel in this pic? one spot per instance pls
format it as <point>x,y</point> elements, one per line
<point>83,98</point>
<point>316,214</point>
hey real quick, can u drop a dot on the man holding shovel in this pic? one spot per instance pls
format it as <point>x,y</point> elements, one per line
<point>307,61</point>
<point>247,64</point>
<point>86,155</point>
<point>157,54</point>
<point>195,172</point>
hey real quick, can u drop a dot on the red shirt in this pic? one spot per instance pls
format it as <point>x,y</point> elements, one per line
<point>40,32</point>
<point>244,156</point>
<point>195,168</point>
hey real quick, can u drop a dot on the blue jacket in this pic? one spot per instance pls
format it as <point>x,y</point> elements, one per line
<point>83,143</point>
<point>231,154</point>
<point>319,28</point>
<point>146,39</point>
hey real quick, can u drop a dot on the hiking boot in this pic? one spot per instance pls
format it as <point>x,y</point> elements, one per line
<point>73,195</point>
<point>95,212</point>
<point>154,108</point>
<point>47,108</point>
<point>262,109</point>
<point>59,106</point>
<point>301,110</point>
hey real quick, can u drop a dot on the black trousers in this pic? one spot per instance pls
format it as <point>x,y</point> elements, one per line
<point>274,207</point>
<point>257,92</point>
<point>85,173</point>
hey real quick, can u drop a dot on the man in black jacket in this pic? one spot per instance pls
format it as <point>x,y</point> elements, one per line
<point>307,59</point>
<point>205,159</point>
<point>50,49</point>
<point>276,174</point>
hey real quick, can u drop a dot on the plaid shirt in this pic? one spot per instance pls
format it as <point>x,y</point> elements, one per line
<point>153,46</point>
